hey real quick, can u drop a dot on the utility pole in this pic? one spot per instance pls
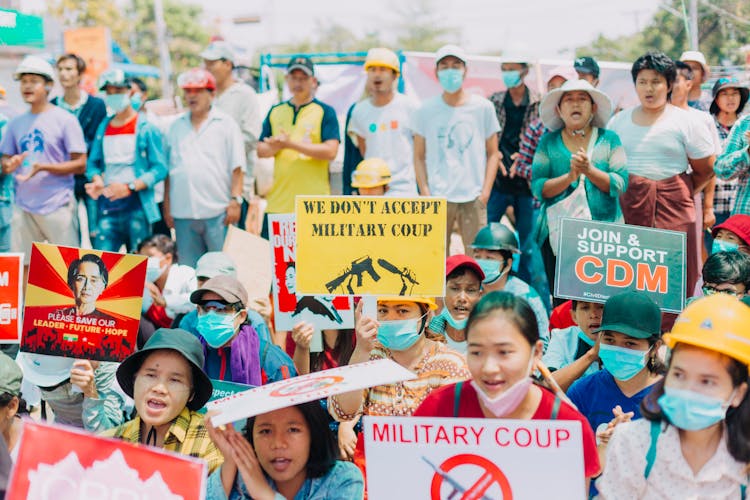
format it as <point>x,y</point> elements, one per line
<point>694,25</point>
<point>164,61</point>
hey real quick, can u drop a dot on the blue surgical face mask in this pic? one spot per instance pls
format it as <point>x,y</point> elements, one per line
<point>586,338</point>
<point>451,79</point>
<point>724,246</point>
<point>136,101</point>
<point>622,363</point>
<point>153,271</point>
<point>456,324</point>
<point>512,79</point>
<point>491,270</point>
<point>692,411</point>
<point>399,335</point>
<point>117,102</point>
<point>216,328</point>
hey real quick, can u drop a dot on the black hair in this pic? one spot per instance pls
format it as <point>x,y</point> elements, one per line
<point>162,243</point>
<point>574,304</point>
<point>516,310</point>
<point>323,446</point>
<point>461,271</point>
<point>89,257</point>
<point>727,267</point>
<point>139,83</point>
<point>342,350</point>
<point>684,70</point>
<point>737,419</point>
<point>657,61</point>
<point>6,398</point>
<point>80,62</point>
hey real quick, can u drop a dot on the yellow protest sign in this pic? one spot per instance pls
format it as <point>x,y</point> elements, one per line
<point>370,245</point>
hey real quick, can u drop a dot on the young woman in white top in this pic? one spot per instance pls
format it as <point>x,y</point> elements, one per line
<point>694,441</point>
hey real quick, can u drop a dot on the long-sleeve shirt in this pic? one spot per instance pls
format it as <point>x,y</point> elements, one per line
<point>734,163</point>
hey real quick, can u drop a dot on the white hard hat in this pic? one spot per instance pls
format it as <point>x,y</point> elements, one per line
<point>36,66</point>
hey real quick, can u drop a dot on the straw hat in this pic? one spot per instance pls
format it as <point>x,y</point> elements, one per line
<point>548,108</point>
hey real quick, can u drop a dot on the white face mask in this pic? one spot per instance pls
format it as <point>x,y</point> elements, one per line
<point>508,400</point>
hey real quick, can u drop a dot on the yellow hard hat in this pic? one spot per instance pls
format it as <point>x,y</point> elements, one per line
<point>428,301</point>
<point>372,172</point>
<point>382,57</point>
<point>719,323</point>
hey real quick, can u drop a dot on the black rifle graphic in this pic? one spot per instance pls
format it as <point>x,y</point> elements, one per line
<point>357,268</point>
<point>406,274</point>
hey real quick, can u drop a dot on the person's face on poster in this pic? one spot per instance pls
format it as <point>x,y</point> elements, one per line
<point>88,284</point>
<point>290,280</point>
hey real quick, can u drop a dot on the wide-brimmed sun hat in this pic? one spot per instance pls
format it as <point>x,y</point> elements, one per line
<point>548,108</point>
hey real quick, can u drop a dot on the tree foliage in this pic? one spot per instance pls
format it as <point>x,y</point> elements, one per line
<point>721,33</point>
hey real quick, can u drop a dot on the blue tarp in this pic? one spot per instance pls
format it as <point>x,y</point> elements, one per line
<point>137,69</point>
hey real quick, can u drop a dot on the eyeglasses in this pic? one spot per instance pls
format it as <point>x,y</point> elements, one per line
<point>710,290</point>
<point>216,306</point>
<point>149,380</point>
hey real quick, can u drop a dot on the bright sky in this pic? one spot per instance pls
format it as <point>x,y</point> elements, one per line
<point>533,28</point>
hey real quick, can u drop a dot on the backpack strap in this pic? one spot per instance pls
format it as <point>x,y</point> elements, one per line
<point>651,454</point>
<point>457,398</point>
<point>555,408</point>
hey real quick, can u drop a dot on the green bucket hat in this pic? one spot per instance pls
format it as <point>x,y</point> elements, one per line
<point>633,314</point>
<point>11,376</point>
<point>178,340</point>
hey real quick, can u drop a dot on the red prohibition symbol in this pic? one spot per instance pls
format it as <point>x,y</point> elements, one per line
<point>491,475</point>
<point>306,386</point>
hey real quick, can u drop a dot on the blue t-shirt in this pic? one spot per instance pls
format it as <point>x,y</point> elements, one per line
<point>596,395</point>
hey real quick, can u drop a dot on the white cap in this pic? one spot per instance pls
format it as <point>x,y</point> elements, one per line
<point>44,371</point>
<point>450,50</point>
<point>34,65</point>
<point>694,55</point>
<point>564,72</point>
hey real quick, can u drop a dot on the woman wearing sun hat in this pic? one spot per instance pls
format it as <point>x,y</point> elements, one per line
<point>167,383</point>
<point>577,149</point>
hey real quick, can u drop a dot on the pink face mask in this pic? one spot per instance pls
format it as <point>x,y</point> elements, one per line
<point>509,400</point>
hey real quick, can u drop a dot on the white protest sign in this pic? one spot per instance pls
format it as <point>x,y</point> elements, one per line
<point>473,458</point>
<point>252,256</point>
<point>305,388</point>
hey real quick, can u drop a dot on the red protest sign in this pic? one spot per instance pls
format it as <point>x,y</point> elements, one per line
<point>81,465</point>
<point>82,303</point>
<point>11,276</point>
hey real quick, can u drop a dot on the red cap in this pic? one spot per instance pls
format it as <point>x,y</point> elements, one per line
<point>196,78</point>
<point>455,261</point>
<point>739,224</point>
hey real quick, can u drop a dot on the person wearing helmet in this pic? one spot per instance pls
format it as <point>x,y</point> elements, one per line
<point>693,441</point>
<point>372,177</point>
<point>125,163</point>
<point>380,124</point>
<point>207,163</point>
<point>302,136</point>
<point>495,248</point>
<point>398,334</point>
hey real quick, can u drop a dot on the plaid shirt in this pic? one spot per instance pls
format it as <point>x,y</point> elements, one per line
<point>725,192</point>
<point>734,164</point>
<point>526,150</point>
<point>187,435</point>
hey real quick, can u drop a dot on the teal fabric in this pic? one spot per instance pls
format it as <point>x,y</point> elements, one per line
<point>734,163</point>
<point>552,159</point>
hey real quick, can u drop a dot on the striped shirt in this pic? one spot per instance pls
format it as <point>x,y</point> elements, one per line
<point>734,163</point>
<point>187,435</point>
<point>439,366</point>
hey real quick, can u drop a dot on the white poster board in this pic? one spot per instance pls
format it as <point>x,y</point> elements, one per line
<point>252,256</point>
<point>305,388</point>
<point>468,458</point>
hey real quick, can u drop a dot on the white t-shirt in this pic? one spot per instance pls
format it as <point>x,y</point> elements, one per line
<point>661,151</point>
<point>455,150</point>
<point>705,122</point>
<point>388,135</point>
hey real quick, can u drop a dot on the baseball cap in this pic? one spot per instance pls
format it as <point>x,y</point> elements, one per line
<point>450,50</point>
<point>218,49</point>
<point>10,375</point>
<point>196,78</point>
<point>382,57</point>
<point>565,72</point>
<point>45,371</point>
<point>455,261</point>
<point>226,287</point>
<point>213,264</point>
<point>303,63</point>
<point>633,314</point>
<point>586,64</point>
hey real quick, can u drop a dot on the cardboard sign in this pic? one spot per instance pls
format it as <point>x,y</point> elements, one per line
<point>308,387</point>
<point>441,458</point>
<point>82,303</point>
<point>82,465</point>
<point>596,260</point>
<point>94,45</point>
<point>11,289</point>
<point>371,245</point>
<point>323,311</point>
<point>252,257</point>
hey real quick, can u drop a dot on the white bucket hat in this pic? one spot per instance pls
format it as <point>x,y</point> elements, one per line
<point>548,108</point>
<point>44,371</point>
